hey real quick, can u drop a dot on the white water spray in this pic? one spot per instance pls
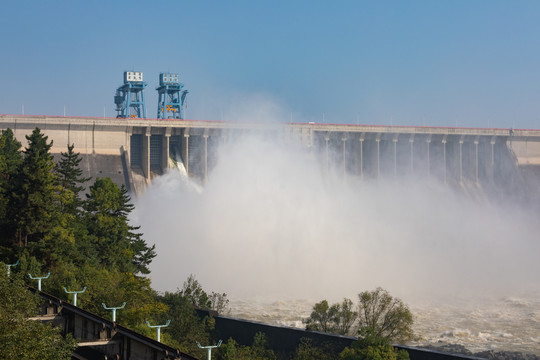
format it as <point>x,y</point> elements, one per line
<point>271,224</point>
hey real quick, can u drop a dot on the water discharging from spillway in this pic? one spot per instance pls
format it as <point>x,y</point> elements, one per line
<point>176,167</point>
<point>278,233</point>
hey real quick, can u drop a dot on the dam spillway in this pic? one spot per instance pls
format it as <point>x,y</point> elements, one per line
<point>133,151</point>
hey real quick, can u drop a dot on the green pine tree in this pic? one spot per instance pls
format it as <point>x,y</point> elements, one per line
<point>34,193</point>
<point>10,160</point>
<point>117,243</point>
<point>10,151</point>
<point>71,179</point>
<point>69,236</point>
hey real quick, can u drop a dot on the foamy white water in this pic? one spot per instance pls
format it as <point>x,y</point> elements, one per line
<point>504,324</point>
<point>270,225</point>
<point>510,323</point>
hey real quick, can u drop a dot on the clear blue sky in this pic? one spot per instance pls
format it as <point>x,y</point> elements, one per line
<point>440,63</point>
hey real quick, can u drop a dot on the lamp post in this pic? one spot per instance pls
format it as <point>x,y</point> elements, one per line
<point>9,267</point>
<point>158,329</point>
<point>114,310</point>
<point>75,294</point>
<point>39,279</point>
<point>209,349</point>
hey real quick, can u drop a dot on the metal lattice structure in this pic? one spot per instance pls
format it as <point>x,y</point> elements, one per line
<point>129,98</point>
<point>171,97</point>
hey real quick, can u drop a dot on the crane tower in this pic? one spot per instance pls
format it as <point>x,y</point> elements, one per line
<point>171,97</point>
<point>129,98</point>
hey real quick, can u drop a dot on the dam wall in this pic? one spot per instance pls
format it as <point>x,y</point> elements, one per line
<point>133,151</point>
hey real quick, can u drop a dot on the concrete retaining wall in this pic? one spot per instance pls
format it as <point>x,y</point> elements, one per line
<point>285,340</point>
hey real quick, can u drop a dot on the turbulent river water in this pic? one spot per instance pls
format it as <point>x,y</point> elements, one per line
<point>270,225</point>
<point>504,324</point>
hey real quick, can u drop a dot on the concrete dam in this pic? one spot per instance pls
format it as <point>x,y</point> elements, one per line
<point>133,151</point>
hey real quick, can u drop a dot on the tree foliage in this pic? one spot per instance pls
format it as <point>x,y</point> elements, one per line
<point>117,243</point>
<point>307,351</point>
<point>21,338</point>
<point>10,160</point>
<point>385,316</point>
<point>372,347</point>
<point>323,317</point>
<point>71,179</point>
<point>10,154</point>
<point>186,327</point>
<point>44,216</point>
<point>345,317</point>
<point>194,292</point>
<point>378,313</point>
<point>34,192</point>
<point>48,224</point>
<point>337,318</point>
<point>259,350</point>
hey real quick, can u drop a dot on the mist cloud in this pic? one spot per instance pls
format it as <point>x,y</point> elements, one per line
<point>271,222</point>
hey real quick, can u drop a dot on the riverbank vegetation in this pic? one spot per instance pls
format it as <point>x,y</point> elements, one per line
<point>377,313</point>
